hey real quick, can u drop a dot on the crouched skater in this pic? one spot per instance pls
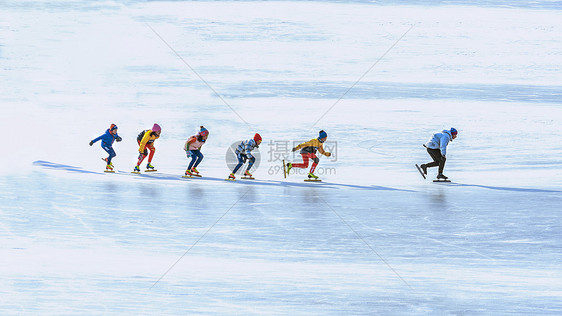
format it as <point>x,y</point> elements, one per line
<point>244,153</point>
<point>437,149</point>
<point>107,140</point>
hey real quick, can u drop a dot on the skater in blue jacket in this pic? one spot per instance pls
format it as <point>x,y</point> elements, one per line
<point>437,149</point>
<point>107,139</point>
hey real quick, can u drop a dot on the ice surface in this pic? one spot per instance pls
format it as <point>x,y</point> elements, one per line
<point>372,238</point>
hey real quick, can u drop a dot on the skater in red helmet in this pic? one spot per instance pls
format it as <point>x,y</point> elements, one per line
<point>244,153</point>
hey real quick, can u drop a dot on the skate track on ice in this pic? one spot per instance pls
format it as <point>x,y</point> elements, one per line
<point>172,177</point>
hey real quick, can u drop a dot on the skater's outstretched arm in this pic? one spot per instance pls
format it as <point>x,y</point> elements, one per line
<point>95,140</point>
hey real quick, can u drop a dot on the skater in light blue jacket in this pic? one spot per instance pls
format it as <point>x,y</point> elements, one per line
<point>437,149</point>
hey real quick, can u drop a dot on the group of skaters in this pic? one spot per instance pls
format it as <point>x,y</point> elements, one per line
<point>436,147</point>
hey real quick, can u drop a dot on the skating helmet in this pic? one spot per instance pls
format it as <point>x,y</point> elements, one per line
<point>203,132</point>
<point>322,134</point>
<point>156,128</point>
<point>454,131</point>
<point>112,127</point>
<point>257,137</point>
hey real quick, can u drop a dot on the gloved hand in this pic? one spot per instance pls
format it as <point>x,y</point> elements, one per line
<point>118,138</point>
<point>91,143</point>
<point>294,149</point>
<point>328,154</point>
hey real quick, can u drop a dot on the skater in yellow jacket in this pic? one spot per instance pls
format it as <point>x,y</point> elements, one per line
<point>308,151</point>
<point>146,141</point>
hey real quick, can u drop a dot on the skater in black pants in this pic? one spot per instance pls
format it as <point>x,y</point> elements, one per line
<point>437,149</point>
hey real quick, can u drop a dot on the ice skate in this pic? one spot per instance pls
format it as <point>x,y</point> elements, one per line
<point>231,177</point>
<point>109,164</point>
<point>150,168</point>
<point>441,178</point>
<point>248,175</point>
<point>422,171</point>
<point>195,173</point>
<point>109,168</point>
<point>136,169</point>
<point>312,178</point>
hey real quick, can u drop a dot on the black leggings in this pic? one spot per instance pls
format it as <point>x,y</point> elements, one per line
<point>438,160</point>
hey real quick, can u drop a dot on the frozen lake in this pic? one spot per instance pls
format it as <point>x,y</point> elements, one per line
<point>373,238</point>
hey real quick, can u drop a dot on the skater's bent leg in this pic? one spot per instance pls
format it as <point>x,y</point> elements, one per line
<point>313,167</point>
<point>436,156</point>
<point>237,167</point>
<point>195,157</point>
<point>152,151</point>
<point>241,161</point>
<point>314,164</point>
<point>305,158</point>
<point>252,161</point>
<point>442,164</point>
<point>112,154</point>
<point>199,158</point>
<point>192,162</point>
